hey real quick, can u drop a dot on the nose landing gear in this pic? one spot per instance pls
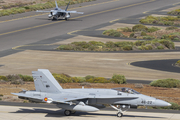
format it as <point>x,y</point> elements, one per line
<point>119,109</point>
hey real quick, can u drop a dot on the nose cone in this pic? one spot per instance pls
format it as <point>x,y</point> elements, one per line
<point>161,103</point>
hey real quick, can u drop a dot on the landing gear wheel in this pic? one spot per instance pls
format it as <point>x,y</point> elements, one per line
<point>119,114</point>
<point>66,19</point>
<point>67,112</point>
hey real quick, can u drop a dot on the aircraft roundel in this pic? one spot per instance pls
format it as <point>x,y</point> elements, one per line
<point>45,99</point>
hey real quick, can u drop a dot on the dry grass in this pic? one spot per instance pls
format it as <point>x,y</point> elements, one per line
<point>6,2</point>
<point>167,94</point>
<point>161,32</point>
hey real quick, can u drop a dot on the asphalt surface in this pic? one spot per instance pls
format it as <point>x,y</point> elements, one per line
<point>163,65</point>
<point>33,29</point>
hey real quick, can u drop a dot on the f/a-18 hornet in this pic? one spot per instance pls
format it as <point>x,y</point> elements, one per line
<point>48,90</point>
<point>58,12</point>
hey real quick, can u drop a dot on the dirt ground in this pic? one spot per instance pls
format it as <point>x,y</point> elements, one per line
<point>5,2</point>
<point>167,94</point>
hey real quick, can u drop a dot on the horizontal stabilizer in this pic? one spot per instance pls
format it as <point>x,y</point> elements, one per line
<point>75,12</point>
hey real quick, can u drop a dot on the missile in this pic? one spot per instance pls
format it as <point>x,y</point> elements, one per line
<point>79,107</point>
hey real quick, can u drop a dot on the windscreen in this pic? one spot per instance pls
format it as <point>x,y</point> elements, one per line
<point>126,90</point>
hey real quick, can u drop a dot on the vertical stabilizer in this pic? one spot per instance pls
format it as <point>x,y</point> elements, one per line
<point>45,82</point>
<point>67,6</point>
<point>56,4</point>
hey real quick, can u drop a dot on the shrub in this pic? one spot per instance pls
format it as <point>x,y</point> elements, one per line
<point>126,29</point>
<point>93,48</point>
<point>79,43</point>
<point>110,44</point>
<point>78,79</point>
<point>175,12</point>
<point>65,47</point>
<point>97,80</point>
<point>3,78</point>
<point>26,78</point>
<point>61,78</point>
<point>171,28</point>
<point>113,33</point>
<point>131,35</point>
<point>89,77</point>
<point>122,44</point>
<point>148,20</point>
<point>176,39</point>
<point>13,77</point>
<point>149,47</point>
<point>17,82</point>
<point>148,37</point>
<point>169,44</point>
<point>160,47</point>
<point>96,43</point>
<point>117,78</point>
<point>152,29</point>
<point>169,20</point>
<point>138,43</point>
<point>143,33</point>
<point>139,27</point>
<point>127,47</point>
<point>168,83</point>
<point>1,95</point>
<point>0,99</point>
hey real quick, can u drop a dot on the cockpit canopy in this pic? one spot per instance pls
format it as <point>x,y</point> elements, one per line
<point>126,90</point>
<point>56,9</point>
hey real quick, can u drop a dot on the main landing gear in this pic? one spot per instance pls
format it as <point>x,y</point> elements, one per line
<point>69,112</point>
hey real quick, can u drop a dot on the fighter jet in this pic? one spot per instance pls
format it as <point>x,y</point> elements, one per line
<point>48,90</point>
<point>58,12</point>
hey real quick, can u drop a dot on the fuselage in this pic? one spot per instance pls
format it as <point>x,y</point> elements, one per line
<point>105,96</point>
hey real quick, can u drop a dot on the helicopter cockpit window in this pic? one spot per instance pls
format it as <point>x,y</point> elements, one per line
<point>126,90</point>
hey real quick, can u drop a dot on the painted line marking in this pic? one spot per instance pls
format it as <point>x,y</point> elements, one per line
<point>145,12</point>
<point>71,33</point>
<point>114,20</point>
<point>176,3</point>
<point>77,17</point>
<point>16,48</point>
<point>48,13</point>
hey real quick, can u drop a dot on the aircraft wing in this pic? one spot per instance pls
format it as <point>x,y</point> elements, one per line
<point>75,12</point>
<point>43,11</point>
<point>54,98</point>
<point>111,97</point>
<point>70,12</point>
<point>66,99</point>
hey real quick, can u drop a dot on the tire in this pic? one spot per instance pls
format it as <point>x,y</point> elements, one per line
<point>119,114</point>
<point>67,112</point>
